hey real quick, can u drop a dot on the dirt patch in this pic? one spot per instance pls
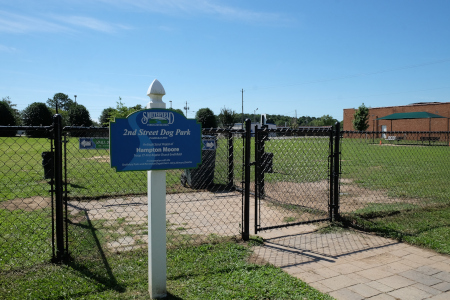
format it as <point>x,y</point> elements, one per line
<point>315,195</point>
<point>26,204</point>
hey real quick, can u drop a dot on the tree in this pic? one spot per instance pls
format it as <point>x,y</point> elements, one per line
<point>6,114</point>
<point>37,114</point>
<point>12,107</point>
<point>177,110</point>
<point>206,117</point>
<point>325,120</point>
<point>361,118</point>
<point>62,100</point>
<point>105,117</point>
<point>305,120</point>
<point>122,111</point>
<point>79,116</point>
<point>227,117</point>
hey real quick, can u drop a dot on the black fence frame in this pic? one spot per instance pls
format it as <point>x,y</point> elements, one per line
<point>57,135</point>
<point>263,163</point>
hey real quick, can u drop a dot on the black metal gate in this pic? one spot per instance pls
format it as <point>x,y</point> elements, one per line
<point>298,184</point>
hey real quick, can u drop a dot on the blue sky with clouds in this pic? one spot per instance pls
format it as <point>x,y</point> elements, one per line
<point>309,57</point>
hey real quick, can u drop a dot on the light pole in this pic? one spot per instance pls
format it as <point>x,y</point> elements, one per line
<point>254,113</point>
<point>75,99</point>
<point>170,104</point>
<point>186,108</point>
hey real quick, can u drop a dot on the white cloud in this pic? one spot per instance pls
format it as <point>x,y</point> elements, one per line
<point>206,7</point>
<point>91,23</point>
<point>7,49</point>
<point>13,23</point>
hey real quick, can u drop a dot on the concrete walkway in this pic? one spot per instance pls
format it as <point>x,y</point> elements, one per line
<point>353,265</point>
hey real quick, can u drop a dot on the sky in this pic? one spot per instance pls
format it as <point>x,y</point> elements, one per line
<point>294,58</point>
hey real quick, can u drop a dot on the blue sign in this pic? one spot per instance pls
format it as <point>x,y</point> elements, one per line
<point>208,144</point>
<point>94,143</point>
<point>155,139</point>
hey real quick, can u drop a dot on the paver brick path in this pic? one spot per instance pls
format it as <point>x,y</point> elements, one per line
<point>355,265</point>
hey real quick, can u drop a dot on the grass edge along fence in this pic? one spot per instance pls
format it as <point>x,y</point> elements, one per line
<point>388,185</point>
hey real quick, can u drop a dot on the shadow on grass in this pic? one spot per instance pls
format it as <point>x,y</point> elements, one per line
<point>401,225</point>
<point>88,257</point>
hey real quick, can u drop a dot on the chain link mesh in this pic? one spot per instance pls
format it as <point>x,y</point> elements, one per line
<point>385,173</point>
<point>106,211</point>
<point>292,177</point>
<point>25,197</point>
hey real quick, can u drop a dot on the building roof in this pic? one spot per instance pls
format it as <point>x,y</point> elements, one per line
<point>410,115</point>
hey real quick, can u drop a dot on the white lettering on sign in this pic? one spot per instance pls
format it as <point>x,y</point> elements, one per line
<point>162,132</point>
<point>181,132</point>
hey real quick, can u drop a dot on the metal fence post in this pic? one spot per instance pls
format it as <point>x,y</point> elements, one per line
<point>246,211</point>
<point>257,175</point>
<point>331,174</point>
<point>59,210</point>
<point>336,170</point>
<point>230,160</point>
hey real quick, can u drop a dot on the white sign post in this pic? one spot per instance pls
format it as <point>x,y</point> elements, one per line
<point>157,263</point>
<point>154,139</point>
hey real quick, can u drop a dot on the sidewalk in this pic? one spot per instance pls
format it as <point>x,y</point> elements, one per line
<point>352,265</point>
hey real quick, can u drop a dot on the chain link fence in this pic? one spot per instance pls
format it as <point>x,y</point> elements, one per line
<point>293,185</point>
<point>105,212</point>
<point>386,174</point>
<point>26,206</point>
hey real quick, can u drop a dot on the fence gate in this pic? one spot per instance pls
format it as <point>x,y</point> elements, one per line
<point>295,181</point>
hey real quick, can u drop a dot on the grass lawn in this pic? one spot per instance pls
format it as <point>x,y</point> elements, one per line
<point>208,271</point>
<point>429,227</point>
<point>403,171</point>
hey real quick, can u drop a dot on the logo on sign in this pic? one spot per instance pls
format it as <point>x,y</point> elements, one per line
<point>157,118</point>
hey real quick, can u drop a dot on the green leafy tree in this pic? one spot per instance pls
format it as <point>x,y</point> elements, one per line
<point>122,111</point>
<point>105,116</point>
<point>7,118</point>
<point>206,117</point>
<point>361,118</point>
<point>37,114</point>
<point>177,110</point>
<point>6,100</point>
<point>325,120</point>
<point>305,120</point>
<point>61,100</point>
<point>79,116</point>
<point>227,117</point>
<point>6,114</point>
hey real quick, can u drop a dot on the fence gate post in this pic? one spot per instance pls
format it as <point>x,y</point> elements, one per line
<point>59,210</point>
<point>246,210</point>
<point>257,179</point>
<point>331,174</point>
<point>230,160</point>
<point>336,170</point>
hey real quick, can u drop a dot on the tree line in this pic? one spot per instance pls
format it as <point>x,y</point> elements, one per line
<point>41,114</point>
<point>73,114</point>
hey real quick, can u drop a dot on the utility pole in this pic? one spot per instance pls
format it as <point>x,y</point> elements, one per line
<point>186,108</point>
<point>242,109</point>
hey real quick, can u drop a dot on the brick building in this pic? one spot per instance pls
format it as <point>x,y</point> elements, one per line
<point>436,124</point>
